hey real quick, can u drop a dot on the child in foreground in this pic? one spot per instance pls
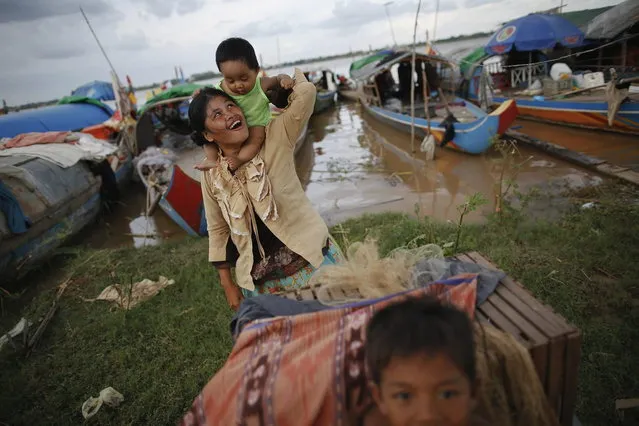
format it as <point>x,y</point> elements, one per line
<point>421,362</point>
<point>236,60</point>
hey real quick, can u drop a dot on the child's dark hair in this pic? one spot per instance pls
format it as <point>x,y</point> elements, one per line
<point>416,326</point>
<point>198,111</point>
<point>236,49</point>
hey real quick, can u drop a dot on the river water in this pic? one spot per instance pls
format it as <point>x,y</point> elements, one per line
<point>350,164</point>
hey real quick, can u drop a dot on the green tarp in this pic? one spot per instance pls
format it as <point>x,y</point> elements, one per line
<point>84,100</point>
<point>358,64</point>
<point>179,91</point>
<point>472,58</point>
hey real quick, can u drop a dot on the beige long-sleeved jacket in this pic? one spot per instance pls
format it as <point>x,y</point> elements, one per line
<point>268,184</point>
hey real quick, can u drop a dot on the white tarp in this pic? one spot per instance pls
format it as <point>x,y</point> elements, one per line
<point>87,147</point>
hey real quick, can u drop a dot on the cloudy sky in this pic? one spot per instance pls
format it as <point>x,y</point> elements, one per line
<point>47,48</point>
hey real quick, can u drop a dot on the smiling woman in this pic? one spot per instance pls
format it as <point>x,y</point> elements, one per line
<point>259,218</point>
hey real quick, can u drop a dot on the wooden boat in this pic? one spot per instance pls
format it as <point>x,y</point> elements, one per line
<point>556,101</point>
<point>587,109</point>
<point>58,202</point>
<point>324,80</point>
<point>454,123</point>
<point>176,187</point>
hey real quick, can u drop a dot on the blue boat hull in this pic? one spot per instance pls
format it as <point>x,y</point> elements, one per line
<point>473,137</point>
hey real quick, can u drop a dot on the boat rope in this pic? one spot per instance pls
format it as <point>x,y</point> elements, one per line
<point>562,57</point>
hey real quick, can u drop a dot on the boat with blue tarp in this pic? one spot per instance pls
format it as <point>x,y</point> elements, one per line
<point>58,166</point>
<point>64,117</point>
<point>100,90</point>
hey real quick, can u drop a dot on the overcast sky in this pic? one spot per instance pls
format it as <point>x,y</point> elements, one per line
<point>47,48</point>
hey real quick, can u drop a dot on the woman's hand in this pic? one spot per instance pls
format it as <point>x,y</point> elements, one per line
<point>233,296</point>
<point>231,290</point>
<point>286,82</point>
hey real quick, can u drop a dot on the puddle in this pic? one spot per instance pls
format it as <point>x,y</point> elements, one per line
<point>127,226</point>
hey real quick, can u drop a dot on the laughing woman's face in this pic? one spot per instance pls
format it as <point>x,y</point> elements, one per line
<point>225,123</point>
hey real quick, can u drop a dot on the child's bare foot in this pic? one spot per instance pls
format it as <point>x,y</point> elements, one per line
<point>205,165</point>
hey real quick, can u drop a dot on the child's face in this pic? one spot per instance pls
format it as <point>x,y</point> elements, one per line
<point>239,78</point>
<point>423,390</point>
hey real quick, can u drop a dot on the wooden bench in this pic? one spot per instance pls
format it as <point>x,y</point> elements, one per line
<point>554,345</point>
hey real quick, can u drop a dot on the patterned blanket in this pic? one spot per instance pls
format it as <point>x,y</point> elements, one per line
<point>306,369</point>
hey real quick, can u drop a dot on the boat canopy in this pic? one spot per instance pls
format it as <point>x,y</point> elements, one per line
<point>179,91</point>
<point>66,117</point>
<point>380,62</point>
<point>100,90</point>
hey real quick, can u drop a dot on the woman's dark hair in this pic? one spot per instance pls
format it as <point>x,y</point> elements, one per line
<point>236,49</point>
<point>198,111</point>
<point>416,326</point>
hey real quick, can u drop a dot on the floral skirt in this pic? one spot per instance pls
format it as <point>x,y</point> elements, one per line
<point>284,280</point>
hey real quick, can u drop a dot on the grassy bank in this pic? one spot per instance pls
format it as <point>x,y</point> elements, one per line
<point>161,353</point>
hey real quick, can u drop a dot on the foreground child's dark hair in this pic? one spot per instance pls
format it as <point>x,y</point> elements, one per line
<point>197,112</point>
<point>416,326</point>
<point>236,49</point>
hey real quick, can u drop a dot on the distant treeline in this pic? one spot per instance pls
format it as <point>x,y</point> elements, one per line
<point>32,105</point>
<point>207,75</point>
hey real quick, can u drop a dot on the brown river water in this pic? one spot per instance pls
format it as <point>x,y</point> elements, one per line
<point>350,165</point>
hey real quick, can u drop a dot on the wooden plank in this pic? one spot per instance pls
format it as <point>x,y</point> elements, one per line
<point>524,293</point>
<point>527,329</point>
<point>555,372</point>
<point>506,319</point>
<point>573,358</point>
<point>538,318</point>
<point>500,321</point>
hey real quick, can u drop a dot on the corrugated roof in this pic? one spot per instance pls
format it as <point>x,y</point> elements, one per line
<point>581,18</point>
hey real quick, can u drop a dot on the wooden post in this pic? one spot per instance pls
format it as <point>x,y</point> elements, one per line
<point>378,93</point>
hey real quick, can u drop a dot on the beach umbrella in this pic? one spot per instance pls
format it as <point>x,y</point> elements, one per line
<point>534,32</point>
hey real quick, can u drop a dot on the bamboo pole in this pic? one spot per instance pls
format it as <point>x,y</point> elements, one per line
<point>99,44</point>
<point>412,81</point>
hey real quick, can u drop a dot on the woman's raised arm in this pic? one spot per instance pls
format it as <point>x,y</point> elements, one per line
<point>299,109</point>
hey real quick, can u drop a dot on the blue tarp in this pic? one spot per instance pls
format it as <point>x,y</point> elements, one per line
<point>70,117</point>
<point>100,90</point>
<point>16,220</point>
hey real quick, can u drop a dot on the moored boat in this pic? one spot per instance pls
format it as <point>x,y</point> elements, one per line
<point>58,166</point>
<point>453,122</point>
<point>50,191</point>
<point>324,80</point>
<point>582,91</point>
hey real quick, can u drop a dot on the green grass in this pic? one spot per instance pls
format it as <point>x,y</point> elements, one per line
<point>161,353</point>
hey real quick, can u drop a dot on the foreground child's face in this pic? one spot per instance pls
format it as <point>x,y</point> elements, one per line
<point>423,390</point>
<point>238,76</point>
